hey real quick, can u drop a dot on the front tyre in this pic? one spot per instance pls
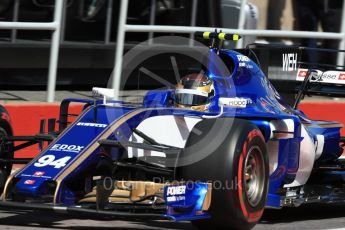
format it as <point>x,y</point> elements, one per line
<point>237,167</point>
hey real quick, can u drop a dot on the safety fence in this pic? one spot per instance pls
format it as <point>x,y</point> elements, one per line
<point>58,23</point>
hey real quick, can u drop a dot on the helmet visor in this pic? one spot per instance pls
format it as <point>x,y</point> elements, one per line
<point>190,99</point>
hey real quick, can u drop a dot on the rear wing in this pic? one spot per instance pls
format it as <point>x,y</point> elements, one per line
<point>298,71</point>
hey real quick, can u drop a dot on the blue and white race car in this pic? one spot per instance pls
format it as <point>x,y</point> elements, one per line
<point>217,150</point>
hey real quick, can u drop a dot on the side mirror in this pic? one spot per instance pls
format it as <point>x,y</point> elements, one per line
<point>105,92</point>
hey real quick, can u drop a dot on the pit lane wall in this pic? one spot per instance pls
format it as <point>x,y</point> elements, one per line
<point>25,117</point>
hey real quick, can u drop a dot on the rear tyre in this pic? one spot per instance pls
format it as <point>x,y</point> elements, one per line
<point>237,168</point>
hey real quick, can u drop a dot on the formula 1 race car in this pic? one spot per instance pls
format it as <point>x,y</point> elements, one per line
<point>216,150</point>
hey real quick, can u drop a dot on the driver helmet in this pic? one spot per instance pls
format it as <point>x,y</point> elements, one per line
<point>194,91</point>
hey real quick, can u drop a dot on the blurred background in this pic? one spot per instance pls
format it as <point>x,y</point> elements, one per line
<point>75,50</point>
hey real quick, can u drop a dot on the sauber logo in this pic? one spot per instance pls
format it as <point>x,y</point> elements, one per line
<point>290,62</point>
<point>29,182</point>
<point>92,124</point>
<point>67,148</point>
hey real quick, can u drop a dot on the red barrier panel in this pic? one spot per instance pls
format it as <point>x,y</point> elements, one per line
<point>26,117</point>
<point>330,111</point>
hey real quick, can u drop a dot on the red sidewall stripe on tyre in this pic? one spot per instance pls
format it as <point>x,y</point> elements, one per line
<point>250,216</point>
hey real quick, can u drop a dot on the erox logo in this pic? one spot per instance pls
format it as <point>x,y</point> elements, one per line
<point>91,124</point>
<point>67,148</point>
